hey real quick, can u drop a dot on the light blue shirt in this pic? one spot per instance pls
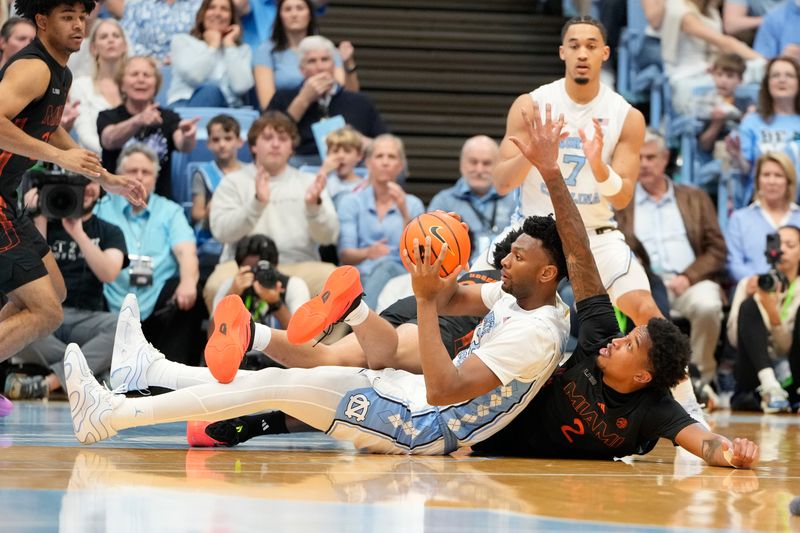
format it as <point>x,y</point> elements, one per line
<point>152,232</point>
<point>360,225</point>
<point>285,64</point>
<point>485,215</point>
<point>779,28</point>
<point>658,224</point>
<point>150,24</point>
<point>746,237</point>
<point>781,134</point>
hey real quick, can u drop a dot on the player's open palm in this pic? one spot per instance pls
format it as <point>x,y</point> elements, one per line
<point>543,137</point>
<point>128,186</point>
<point>593,148</point>
<point>81,162</point>
<point>262,184</point>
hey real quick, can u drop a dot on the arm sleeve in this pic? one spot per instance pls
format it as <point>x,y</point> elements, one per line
<point>736,253</point>
<point>192,59</point>
<point>263,56</point>
<point>280,101</point>
<point>323,222</point>
<point>766,41</point>
<point>491,293</point>
<point>240,75</point>
<point>232,214</point>
<point>179,229</point>
<point>747,136</point>
<point>104,120</point>
<point>523,351</point>
<point>113,238</point>
<point>297,293</point>
<point>348,222</point>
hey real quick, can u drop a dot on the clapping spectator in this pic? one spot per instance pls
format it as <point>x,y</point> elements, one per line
<point>344,153</point>
<point>373,219</point>
<point>776,126</point>
<point>774,206</point>
<point>16,34</point>
<point>163,270</point>
<point>100,91</point>
<point>276,64</point>
<point>139,119</point>
<point>150,25</point>
<point>320,96</point>
<point>210,65</point>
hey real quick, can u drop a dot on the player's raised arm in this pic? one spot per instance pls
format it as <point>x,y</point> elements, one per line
<point>539,145</point>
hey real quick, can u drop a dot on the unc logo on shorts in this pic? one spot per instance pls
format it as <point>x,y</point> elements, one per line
<point>357,407</point>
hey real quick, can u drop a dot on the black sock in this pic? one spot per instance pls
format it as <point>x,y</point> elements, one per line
<point>237,430</point>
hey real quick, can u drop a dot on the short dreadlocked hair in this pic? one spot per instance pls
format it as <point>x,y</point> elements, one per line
<point>669,353</point>
<point>541,228</point>
<point>30,8</point>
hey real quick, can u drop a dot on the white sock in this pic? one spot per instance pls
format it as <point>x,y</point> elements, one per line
<point>171,375</point>
<point>767,379</point>
<point>683,393</point>
<point>261,337</point>
<point>358,315</point>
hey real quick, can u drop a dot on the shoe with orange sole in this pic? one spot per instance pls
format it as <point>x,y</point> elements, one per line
<point>196,435</point>
<point>340,295</point>
<point>232,338</point>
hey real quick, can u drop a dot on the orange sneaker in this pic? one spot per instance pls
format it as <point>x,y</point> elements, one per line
<point>196,435</point>
<point>232,338</point>
<point>340,295</point>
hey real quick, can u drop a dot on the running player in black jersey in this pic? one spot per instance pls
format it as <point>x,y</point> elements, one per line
<point>611,398</point>
<point>34,86</point>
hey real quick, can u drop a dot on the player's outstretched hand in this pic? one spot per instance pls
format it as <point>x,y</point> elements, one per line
<point>743,453</point>
<point>541,146</point>
<point>425,278</point>
<point>81,162</point>
<point>127,186</point>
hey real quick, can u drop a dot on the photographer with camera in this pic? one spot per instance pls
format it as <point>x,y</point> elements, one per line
<point>88,252</point>
<point>271,297</point>
<point>763,327</point>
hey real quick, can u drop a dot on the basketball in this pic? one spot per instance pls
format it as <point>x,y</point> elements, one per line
<point>441,228</point>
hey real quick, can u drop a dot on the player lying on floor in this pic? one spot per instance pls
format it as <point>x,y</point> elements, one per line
<point>609,383</point>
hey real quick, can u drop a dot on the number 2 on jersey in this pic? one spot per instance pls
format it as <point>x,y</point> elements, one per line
<point>578,161</point>
<point>577,430</point>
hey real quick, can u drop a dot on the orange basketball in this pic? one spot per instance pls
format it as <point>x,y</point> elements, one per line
<point>442,228</point>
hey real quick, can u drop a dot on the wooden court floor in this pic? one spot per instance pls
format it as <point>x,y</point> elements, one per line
<point>147,480</point>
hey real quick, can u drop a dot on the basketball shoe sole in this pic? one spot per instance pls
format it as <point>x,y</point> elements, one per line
<point>340,295</point>
<point>196,435</point>
<point>232,338</point>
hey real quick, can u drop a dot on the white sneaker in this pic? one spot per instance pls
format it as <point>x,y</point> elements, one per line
<point>132,354</point>
<point>90,404</point>
<point>774,400</point>
<point>695,410</point>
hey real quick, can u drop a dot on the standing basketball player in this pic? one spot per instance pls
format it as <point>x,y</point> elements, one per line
<point>598,156</point>
<point>34,86</point>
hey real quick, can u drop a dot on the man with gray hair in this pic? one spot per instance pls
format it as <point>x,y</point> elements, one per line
<point>678,228</point>
<point>474,197</point>
<point>320,97</point>
<point>163,271</point>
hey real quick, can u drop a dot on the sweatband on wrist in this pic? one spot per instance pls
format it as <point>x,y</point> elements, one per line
<point>612,185</point>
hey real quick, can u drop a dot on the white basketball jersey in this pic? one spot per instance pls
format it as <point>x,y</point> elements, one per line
<point>611,110</point>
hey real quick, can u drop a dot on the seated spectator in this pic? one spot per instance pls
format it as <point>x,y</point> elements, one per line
<point>224,142</point>
<point>741,18</point>
<point>140,120</point>
<point>778,34</point>
<point>763,328</point>
<point>89,252</point>
<point>344,153</point>
<point>273,300</point>
<point>163,270</point>
<point>272,198</point>
<point>150,25</point>
<point>678,228</point>
<point>210,65</point>
<point>720,109</point>
<point>776,126</point>
<point>373,219</point>
<point>691,33</point>
<point>82,63</point>
<point>474,197</point>
<point>100,90</point>
<point>320,96</point>
<point>16,34</point>
<point>276,64</point>
<point>773,207</point>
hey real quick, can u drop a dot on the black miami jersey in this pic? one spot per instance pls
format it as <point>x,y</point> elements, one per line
<point>39,119</point>
<point>576,415</point>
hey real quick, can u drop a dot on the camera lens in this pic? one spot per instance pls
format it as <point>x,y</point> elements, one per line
<point>62,201</point>
<point>766,282</point>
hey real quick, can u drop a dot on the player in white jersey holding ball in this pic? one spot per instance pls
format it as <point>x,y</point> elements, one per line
<point>599,159</point>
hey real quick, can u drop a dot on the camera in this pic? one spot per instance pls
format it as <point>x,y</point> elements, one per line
<point>140,271</point>
<point>265,274</point>
<point>773,278</point>
<point>60,193</point>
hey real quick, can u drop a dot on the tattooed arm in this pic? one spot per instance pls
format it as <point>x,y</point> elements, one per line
<point>717,450</point>
<point>541,149</point>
